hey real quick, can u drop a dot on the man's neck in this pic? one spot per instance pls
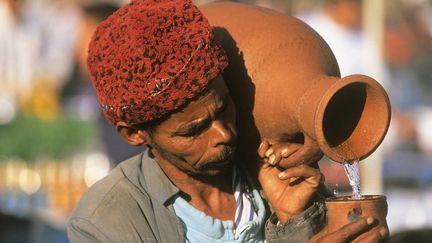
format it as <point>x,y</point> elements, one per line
<point>212,195</point>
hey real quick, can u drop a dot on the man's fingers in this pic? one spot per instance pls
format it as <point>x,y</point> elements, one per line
<point>274,159</point>
<point>377,234</point>
<point>309,174</point>
<point>286,151</point>
<point>264,146</point>
<point>352,230</point>
<point>302,155</point>
<point>299,171</point>
<point>306,153</point>
<point>269,152</point>
<point>361,230</point>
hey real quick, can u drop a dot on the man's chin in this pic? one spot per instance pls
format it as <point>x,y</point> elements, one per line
<point>216,168</point>
<point>221,170</point>
<point>220,162</point>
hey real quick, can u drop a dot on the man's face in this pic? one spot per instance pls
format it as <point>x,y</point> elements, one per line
<point>200,139</point>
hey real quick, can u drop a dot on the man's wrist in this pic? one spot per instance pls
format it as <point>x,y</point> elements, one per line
<point>301,226</point>
<point>284,217</point>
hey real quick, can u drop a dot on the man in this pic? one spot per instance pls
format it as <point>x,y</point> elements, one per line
<point>157,71</point>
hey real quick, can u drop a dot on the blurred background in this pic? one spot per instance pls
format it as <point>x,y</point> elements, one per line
<point>54,143</point>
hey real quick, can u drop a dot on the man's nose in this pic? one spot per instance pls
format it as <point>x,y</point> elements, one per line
<point>221,135</point>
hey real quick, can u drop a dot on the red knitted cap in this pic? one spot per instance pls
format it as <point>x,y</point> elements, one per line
<point>152,57</point>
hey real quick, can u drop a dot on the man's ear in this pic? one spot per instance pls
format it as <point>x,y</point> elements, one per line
<point>131,135</point>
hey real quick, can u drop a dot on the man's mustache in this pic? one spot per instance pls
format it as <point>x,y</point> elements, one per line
<point>227,152</point>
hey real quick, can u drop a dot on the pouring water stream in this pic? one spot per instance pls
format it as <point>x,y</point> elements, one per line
<point>352,169</point>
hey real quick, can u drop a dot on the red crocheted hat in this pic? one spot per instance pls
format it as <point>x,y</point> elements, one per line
<point>152,57</point>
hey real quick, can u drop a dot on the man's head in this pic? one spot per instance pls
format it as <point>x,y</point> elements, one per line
<point>200,139</point>
<point>156,68</point>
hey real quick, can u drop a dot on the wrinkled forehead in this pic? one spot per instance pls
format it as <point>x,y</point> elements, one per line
<point>215,94</point>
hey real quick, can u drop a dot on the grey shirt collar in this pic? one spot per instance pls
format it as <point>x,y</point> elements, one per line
<point>158,184</point>
<point>151,179</point>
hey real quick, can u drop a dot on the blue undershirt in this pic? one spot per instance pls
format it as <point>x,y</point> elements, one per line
<point>201,228</point>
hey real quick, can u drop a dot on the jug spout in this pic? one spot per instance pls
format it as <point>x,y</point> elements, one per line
<point>348,117</point>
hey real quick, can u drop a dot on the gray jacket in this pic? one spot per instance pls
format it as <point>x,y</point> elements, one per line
<point>134,204</point>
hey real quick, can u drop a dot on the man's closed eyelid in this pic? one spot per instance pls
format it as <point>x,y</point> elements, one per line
<point>194,129</point>
<point>223,107</point>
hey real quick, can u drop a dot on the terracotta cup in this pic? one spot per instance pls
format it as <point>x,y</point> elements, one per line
<point>344,210</point>
<point>286,84</point>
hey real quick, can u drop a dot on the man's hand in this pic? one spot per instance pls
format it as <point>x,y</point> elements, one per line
<point>287,154</point>
<point>288,191</point>
<point>361,230</point>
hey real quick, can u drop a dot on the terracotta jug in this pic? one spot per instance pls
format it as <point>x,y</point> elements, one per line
<point>286,85</point>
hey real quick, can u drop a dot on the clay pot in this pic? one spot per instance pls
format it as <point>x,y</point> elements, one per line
<point>344,210</point>
<point>285,79</point>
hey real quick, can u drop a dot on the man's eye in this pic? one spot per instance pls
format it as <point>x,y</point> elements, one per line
<point>195,131</point>
<point>191,133</point>
<point>226,104</point>
<point>223,108</point>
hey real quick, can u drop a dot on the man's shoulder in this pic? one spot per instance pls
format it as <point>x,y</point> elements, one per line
<point>112,193</point>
